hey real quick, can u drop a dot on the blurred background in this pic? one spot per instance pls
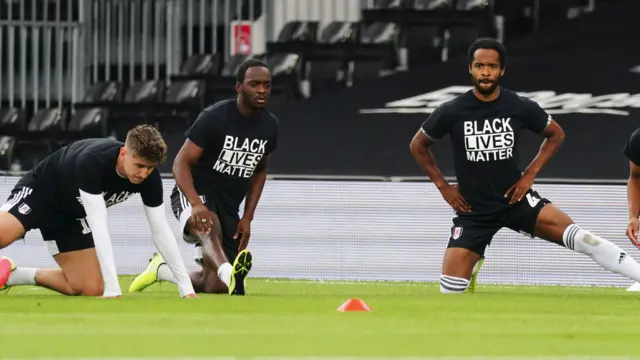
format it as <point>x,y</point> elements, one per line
<point>72,69</point>
<point>353,81</point>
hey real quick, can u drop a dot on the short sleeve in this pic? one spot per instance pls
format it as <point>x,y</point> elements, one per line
<point>632,148</point>
<point>439,123</point>
<point>534,117</point>
<point>152,191</point>
<point>205,127</point>
<point>89,175</point>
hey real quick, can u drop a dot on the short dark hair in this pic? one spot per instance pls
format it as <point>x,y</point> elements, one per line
<point>146,142</point>
<point>492,44</point>
<point>242,71</point>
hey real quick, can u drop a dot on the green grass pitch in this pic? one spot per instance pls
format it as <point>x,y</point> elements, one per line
<point>280,318</point>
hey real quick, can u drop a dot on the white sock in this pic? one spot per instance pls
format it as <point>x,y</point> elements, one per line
<point>602,251</point>
<point>224,273</point>
<point>453,285</point>
<point>22,276</point>
<point>165,274</point>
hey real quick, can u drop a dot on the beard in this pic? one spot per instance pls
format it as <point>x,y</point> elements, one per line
<point>486,90</point>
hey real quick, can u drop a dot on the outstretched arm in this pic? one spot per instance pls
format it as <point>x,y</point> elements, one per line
<point>187,156</point>
<point>96,211</point>
<point>166,244</point>
<point>256,185</point>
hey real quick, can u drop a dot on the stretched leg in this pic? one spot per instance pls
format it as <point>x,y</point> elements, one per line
<point>555,226</point>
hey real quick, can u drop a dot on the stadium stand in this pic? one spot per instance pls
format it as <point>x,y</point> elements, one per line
<point>69,71</point>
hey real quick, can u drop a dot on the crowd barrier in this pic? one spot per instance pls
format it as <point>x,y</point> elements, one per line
<point>373,230</point>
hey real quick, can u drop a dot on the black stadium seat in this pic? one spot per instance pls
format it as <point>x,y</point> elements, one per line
<point>376,50</point>
<point>327,60</point>
<point>286,69</point>
<point>48,121</point>
<point>90,122</point>
<point>42,136</point>
<point>144,92</point>
<point>224,86</point>
<point>12,120</point>
<point>7,145</point>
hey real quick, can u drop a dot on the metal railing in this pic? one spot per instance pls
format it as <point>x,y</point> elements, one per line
<point>40,51</point>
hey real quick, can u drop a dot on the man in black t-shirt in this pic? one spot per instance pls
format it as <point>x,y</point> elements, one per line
<point>484,125</point>
<point>66,197</point>
<point>632,152</point>
<point>223,159</point>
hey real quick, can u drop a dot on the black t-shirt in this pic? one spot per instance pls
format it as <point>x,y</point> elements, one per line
<point>90,165</point>
<point>233,145</point>
<point>484,137</point>
<point>632,148</point>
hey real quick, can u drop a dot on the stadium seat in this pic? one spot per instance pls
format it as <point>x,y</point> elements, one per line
<point>185,92</point>
<point>183,101</point>
<point>430,4</point>
<point>376,50</point>
<point>201,64</point>
<point>140,104</point>
<point>286,71</point>
<point>471,20</point>
<point>299,31</point>
<point>224,86</point>
<point>90,122</point>
<point>327,59</point>
<point>48,121</point>
<point>99,92</point>
<point>202,68</point>
<point>44,134</point>
<point>144,92</point>
<point>12,120</point>
<point>7,145</point>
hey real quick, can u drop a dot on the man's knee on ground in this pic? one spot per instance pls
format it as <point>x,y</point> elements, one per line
<point>453,284</point>
<point>93,288</point>
<point>215,287</point>
<point>211,283</point>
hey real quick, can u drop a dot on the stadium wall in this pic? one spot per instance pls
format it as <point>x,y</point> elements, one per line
<point>368,230</point>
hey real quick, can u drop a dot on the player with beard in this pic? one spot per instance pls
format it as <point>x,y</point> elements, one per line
<point>484,125</point>
<point>223,160</point>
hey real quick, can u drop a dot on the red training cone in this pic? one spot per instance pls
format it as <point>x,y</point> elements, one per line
<point>5,271</point>
<point>354,305</point>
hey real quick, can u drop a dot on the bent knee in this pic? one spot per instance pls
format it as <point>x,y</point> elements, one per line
<point>90,289</point>
<point>192,230</point>
<point>215,288</point>
<point>453,284</point>
<point>212,283</point>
